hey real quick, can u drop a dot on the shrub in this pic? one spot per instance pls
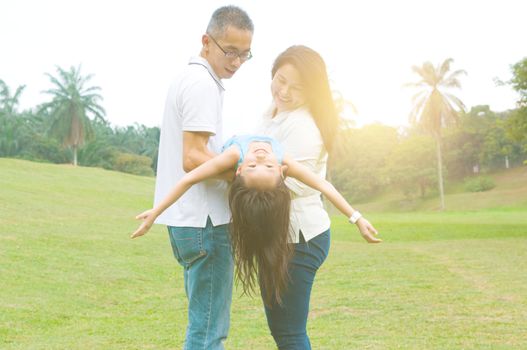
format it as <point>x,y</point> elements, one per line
<point>479,184</point>
<point>134,164</point>
<point>44,149</point>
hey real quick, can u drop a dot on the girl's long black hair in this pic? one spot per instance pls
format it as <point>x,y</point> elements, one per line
<point>259,232</point>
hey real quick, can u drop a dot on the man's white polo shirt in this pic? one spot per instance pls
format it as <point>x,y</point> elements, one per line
<point>194,103</point>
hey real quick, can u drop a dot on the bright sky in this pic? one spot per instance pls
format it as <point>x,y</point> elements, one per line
<point>135,49</point>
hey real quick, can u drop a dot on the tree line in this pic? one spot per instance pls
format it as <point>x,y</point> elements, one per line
<point>377,156</point>
<point>71,128</point>
<point>443,142</point>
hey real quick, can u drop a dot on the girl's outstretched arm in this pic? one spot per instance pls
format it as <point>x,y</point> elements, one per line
<point>302,173</point>
<point>211,168</point>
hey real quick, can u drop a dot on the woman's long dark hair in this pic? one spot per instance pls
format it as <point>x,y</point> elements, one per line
<point>316,89</point>
<point>260,235</point>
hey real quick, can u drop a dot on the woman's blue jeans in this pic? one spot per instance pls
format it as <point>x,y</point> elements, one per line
<point>206,256</point>
<point>288,321</point>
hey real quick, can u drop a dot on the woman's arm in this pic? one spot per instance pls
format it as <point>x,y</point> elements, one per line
<point>211,168</point>
<point>302,173</point>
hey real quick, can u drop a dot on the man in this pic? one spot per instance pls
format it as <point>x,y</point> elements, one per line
<point>191,134</point>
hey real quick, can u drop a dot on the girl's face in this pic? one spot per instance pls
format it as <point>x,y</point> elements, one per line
<point>287,89</point>
<point>260,167</point>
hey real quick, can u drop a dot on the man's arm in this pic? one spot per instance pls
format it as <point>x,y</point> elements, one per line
<point>196,152</point>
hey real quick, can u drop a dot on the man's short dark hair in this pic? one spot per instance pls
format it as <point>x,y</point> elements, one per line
<point>229,16</point>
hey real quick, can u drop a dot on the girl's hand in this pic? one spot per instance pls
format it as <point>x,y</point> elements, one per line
<point>367,231</point>
<point>148,218</point>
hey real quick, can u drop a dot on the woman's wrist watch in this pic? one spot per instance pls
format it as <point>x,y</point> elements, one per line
<point>355,217</point>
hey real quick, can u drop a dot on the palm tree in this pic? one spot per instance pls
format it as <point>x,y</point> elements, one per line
<point>72,101</point>
<point>434,108</point>
<point>9,120</point>
<point>8,103</point>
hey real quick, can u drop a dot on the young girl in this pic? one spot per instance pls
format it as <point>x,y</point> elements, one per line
<point>260,206</point>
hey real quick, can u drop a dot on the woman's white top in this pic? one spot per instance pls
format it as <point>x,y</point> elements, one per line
<point>297,132</point>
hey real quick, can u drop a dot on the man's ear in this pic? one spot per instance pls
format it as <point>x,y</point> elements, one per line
<point>204,40</point>
<point>238,171</point>
<point>284,169</point>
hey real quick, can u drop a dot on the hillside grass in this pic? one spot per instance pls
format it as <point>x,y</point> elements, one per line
<point>510,193</point>
<point>72,279</point>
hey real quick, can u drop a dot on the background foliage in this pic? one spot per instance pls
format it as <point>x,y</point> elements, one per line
<point>367,160</point>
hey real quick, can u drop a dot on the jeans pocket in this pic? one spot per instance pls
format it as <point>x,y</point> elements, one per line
<point>187,244</point>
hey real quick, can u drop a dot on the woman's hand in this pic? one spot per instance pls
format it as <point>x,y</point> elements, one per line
<point>367,231</point>
<point>148,218</point>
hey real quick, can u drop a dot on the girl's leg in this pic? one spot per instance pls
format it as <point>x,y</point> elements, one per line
<point>288,321</point>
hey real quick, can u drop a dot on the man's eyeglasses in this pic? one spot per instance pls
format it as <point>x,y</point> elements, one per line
<point>244,56</point>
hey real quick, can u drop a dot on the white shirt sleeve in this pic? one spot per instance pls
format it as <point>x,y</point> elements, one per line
<point>200,103</point>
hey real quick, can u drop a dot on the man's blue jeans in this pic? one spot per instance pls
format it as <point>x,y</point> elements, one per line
<point>205,254</point>
<point>288,321</point>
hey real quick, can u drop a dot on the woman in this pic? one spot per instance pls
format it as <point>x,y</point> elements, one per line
<point>303,119</point>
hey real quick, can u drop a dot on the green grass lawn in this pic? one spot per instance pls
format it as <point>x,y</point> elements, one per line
<point>72,279</point>
<point>510,192</point>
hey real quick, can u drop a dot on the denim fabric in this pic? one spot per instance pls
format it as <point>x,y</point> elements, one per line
<point>288,321</point>
<point>205,254</point>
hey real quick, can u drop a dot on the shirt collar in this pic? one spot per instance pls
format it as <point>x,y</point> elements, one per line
<point>203,62</point>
